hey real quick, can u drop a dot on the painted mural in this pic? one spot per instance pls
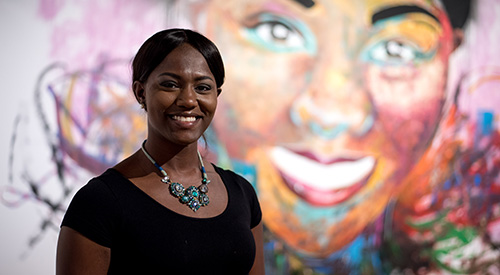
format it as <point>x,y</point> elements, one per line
<point>369,128</point>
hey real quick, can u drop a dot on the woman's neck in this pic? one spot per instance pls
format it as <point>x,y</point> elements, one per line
<point>174,156</point>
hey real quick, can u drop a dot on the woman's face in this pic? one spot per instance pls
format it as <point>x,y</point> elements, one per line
<point>334,103</point>
<point>180,96</point>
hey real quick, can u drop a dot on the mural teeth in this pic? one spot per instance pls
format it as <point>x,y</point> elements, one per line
<point>337,175</point>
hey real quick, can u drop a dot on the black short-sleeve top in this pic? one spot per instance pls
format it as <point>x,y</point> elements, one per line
<point>147,238</point>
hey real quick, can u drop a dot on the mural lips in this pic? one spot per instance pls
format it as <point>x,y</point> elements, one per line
<point>322,183</point>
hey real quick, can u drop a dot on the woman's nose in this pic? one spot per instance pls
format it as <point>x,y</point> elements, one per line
<point>334,104</point>
<point>186,97</point>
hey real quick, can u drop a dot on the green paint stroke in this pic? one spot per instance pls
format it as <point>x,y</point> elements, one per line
<point>452,251</point>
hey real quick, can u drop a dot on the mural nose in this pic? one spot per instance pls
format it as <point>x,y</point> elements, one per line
<point>336,107</point>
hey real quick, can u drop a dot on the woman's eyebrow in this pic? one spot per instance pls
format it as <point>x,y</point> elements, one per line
<point>199,78</point>
<point>399,10</point>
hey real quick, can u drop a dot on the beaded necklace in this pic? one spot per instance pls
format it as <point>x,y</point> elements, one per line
<point>194,197</point>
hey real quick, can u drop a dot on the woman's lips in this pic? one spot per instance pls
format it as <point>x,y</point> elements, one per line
<point>322,184</point>
<point>185,121</point>
<point>184,118</point>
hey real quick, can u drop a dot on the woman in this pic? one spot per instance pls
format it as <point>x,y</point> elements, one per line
<point>163,209</point>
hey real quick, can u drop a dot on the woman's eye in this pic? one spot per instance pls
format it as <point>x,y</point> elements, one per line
<point>169,85</point>
<point>203,88</point>
<point>280,34</point>
<point>395,52</point>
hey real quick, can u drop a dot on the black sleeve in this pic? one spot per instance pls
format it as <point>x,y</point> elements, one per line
<point>256,211</point>
<point>94,212</point>
<point>253,201</point>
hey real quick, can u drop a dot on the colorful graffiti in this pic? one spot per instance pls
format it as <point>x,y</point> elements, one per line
<point>369,128</point>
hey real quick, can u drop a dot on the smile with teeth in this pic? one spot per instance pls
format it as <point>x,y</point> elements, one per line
<point>318,183</point>
<point>184,118</point>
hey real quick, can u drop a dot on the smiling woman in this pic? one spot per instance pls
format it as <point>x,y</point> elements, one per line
<point>164,209</point>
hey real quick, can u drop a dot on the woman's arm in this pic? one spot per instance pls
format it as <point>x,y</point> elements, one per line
<point>78,255</point>
<point>258,264</point>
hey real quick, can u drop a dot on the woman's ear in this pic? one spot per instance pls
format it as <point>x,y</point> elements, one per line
<point>139,93</point>
<point>138,90</point>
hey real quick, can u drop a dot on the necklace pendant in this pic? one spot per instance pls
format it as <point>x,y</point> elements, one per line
<point>194,197</point>
<point>194,204</point>
<point>203,188</point>
<point>192,192</point>
<point>177,189</point>
<point>204,200</point>
<point>185,199</point>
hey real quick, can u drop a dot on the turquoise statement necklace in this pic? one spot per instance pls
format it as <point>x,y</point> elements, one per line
<point>194,197</point>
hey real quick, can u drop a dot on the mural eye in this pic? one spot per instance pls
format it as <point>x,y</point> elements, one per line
<point>396,52</point>
<point>277,33</point>
<point>280,34</point>
<point>399,50</point>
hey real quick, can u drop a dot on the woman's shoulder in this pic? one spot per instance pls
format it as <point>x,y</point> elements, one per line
<point>95,208</point>
<point>107,186</point>
<point>233,178</point>
<point>129,167</point>
<point>102,185</point>
<point>224,172</point>
<point>246,192</point>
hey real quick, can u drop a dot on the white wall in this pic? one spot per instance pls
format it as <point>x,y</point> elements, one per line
<point>23,53</point>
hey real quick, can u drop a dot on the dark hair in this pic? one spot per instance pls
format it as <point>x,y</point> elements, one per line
<point>157,47</point>
<point>458,11</point>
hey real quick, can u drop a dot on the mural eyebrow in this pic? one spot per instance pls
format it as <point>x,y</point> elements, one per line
<point>306,3</point>
<point>399,10</point>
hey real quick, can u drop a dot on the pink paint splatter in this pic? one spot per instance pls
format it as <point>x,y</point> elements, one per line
<point>48,9</point>
<point>88,33</point>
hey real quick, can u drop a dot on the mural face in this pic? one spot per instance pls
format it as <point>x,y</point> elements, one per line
<point>333,103</point>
